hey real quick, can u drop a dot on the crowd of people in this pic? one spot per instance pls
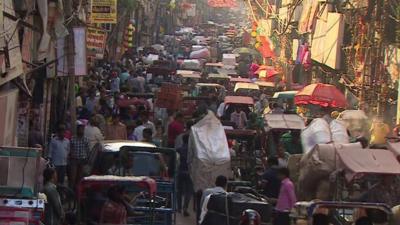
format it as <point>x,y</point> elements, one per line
<point>102,116</point>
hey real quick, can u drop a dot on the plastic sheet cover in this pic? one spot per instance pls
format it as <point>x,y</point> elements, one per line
<point>209,154</point>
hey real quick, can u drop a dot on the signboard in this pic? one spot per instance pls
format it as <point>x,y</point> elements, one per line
<point>96,43</point>
<point>80,51</point>
<point>103,11</point>
<point>8,117</point>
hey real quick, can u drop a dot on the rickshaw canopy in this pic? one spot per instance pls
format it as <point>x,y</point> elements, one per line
<point>245,100</point>
<point>369,161</point>
<point>108,181</point>
<point>191,75</point>
<point>220,65</point>
<point>284,121</point>
<point>218,76</point>
<point>247,86</point>
<point>185,72</point>
<point>285,94</point>
<point>240,79</point>
<point>116,145</point>
<point>209,85</point>
<point>265,84</point>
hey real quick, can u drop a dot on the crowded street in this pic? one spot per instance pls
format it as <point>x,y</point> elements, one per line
<point>199,112</point>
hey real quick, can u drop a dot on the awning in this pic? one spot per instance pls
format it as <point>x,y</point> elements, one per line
<point>371,161</point>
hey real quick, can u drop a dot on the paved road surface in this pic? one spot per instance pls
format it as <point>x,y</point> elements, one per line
<point>181,220</point>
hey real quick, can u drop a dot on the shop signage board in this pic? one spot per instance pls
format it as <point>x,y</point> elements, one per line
<point>80,51</point>
<point>103,11</point>
<point>95,42</point>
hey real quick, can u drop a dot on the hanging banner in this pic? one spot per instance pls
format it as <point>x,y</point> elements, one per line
<point>104,11</point>
<point>80,51</point>
<point>96,43</point>
<point>62,66</point>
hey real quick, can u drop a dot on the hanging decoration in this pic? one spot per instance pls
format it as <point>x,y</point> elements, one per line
<point>128,39</point>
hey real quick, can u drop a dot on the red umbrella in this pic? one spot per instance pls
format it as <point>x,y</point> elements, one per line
<point>325,95</point>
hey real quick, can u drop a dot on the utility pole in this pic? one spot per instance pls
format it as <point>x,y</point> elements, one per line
<point>70,52</point>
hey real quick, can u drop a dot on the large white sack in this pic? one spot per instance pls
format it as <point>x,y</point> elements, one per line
<point>209,154</point>
<point>209,140</point>
<point>318,132</point>
<point>339,132</point>
<point>200,54</point>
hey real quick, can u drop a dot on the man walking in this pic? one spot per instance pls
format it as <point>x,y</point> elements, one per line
<point>286,199</point>
<point>58,153</point>
<point>184,184</point>
<point>116,130</point>
<point>79,154</point>
<point>220,187</point>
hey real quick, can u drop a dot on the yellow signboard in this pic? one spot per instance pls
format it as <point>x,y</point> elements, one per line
<point>104,11</point>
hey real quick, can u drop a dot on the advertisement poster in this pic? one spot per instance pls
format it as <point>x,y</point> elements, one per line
<point>95,42</point>
<point>104,11</point>
<point>80,51</point>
